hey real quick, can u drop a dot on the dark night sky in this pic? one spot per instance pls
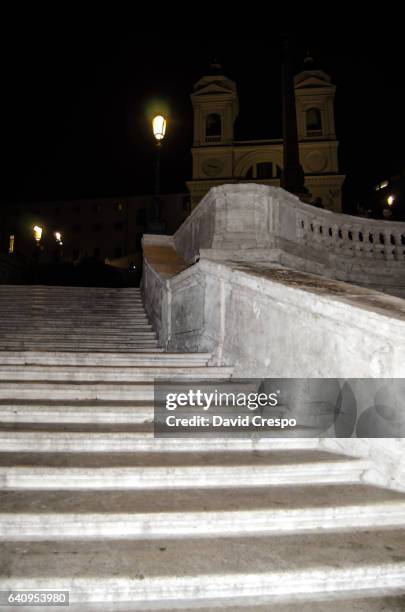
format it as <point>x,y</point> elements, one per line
<point>75,119</point>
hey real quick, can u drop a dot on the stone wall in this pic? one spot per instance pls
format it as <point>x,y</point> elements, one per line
<point>271,321</point>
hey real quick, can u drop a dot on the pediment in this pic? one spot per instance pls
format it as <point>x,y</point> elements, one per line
<point>211,88</point>
<point>308,80</point>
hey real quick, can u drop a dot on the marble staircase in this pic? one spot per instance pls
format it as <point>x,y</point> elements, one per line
<point>91,502</point>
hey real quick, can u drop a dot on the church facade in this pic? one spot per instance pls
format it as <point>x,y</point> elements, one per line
<point>218,158</point>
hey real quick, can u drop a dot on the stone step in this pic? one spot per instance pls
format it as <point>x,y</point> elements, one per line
<point>76,306</point>
<point>55,295</point>
<point>84,358</point>
<point>105,311</point>
<point>72,295</point>
<point>123,373</point>
<point>156,463</point>
<point>74,348</point>
<point>111,317</point>
<point>101,344</point>
<point>56,324</point>
<point>69,288</point>
<point>29,304</point>
<point>113,314</point>
<point>77,334</point>
<point>372,600</point>
<point>60,324</point>
<point>197,512</point>
<point>91,390</point>
<point>163,570</point>
<point>98,412</point>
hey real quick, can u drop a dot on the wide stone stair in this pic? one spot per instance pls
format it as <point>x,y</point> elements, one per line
<point>91,502</point>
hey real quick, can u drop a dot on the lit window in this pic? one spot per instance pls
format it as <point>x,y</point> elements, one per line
<point>11,244</point>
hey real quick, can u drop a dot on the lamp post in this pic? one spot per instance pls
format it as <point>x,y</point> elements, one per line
<point>159,130</point>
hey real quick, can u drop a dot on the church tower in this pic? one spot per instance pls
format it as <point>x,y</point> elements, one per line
<point>215,106</point>
<point>219,159</point>
<point>314,97</point>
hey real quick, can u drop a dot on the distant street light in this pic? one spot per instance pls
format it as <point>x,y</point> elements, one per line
<point>58,237</point>
<point>37,233</point>
<point>390,200</point>
<point>159,130</point>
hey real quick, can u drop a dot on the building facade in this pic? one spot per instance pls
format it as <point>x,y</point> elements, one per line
<point>102,228</point>
<point>218,158</point>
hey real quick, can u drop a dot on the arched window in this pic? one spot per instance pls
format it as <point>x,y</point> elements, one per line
<point>213,127</point>
<point>314,121</point>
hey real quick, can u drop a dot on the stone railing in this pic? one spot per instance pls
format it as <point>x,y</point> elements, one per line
<point>250,216</point>
<point>249,221</point>
<point>350,236</point>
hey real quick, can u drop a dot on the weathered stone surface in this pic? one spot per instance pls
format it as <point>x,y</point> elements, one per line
<point>270,320</point>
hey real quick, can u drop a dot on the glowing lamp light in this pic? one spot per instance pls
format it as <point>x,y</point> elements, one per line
<point>58,237</point>
<point>159,127</point>
<point>390,200</point>
<point>37,233</point>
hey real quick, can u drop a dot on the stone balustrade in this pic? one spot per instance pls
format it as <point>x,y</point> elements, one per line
<point>350,236</point>
<point>250,222</point>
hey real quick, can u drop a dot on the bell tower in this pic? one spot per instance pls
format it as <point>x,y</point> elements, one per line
<point>314,95</point>
<point>215,106</point>
<point>314,98</point>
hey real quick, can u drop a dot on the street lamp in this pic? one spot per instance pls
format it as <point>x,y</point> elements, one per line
<point>37,237</point>
<point>37,233</point>
<point>159,127</point>
<point>159,130</point>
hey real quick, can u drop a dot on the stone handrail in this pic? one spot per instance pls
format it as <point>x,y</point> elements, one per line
<point>251,222</point>
<point>350,236</point>
<point>250,216</point>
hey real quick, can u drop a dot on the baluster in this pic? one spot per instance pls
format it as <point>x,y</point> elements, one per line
<point>388,247</point>
<point>399,248</point>
<point>347,232</point>
<point>357,244</point>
